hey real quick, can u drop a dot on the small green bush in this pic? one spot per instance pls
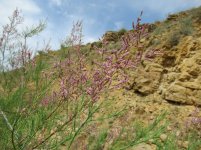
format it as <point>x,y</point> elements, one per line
<point>161,28</point>
<point>173,39</point>
<point>186,27</point>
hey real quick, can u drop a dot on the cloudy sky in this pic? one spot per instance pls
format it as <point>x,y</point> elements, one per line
<point>98,16</point>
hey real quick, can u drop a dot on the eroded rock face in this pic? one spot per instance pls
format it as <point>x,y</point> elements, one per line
<point>181,94</point>
<point>186,88</point>
<point>180,82</point>
<point>147,80</point>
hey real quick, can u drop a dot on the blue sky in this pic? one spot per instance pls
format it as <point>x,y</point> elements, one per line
<point>98,16</point>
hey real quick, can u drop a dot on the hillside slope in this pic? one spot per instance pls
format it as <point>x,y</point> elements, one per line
<point>63,99</point>
<point>171,82</point>
<point>174,78</point>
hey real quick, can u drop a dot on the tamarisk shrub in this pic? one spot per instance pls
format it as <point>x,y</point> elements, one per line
<point>81,86</point>
<point>73,71</point>
<point>15,72</point>
<point>13,43</point>
<point>76,100</point>
<point>9,33</point>
<point>117,62</point>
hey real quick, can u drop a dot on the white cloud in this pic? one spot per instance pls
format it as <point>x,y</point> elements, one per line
<point>96,17</point>
<point>56,2</point>
<point>32,13</point>
<point>164,7</point>
<point>28,7</point>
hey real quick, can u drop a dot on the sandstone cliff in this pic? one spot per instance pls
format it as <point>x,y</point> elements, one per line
<point>176,75</point>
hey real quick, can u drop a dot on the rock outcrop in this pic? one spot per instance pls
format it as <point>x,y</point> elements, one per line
<point>176,76</point>
<point>147,80</point>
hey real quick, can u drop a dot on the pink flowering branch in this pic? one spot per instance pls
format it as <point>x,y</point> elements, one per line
<point>194,122</point>
<point>76,80</point>
<point>9,35</point>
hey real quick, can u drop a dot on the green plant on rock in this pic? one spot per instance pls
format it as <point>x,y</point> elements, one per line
<point>186,27</point>
<point>173,39</point>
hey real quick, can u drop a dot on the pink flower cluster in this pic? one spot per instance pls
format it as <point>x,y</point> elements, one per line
<point>10,29</point>
<point>76,80</point>
<point>194,122</point>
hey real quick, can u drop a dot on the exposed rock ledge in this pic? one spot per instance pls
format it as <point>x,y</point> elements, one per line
<point>180,82</point>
